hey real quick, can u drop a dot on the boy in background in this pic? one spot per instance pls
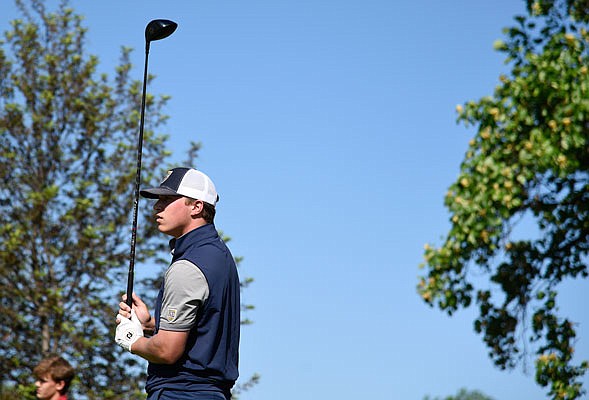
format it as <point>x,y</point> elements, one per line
<point>53,377</point>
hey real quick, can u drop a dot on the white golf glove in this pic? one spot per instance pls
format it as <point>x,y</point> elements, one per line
<point>128,331</point>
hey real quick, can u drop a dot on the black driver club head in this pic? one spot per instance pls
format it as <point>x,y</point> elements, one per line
<point>159,29</point>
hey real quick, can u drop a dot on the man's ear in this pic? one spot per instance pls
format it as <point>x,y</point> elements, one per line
<point>196,208</point>
<point>59,385</point>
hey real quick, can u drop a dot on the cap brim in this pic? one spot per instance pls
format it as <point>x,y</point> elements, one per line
<point>155,193</point>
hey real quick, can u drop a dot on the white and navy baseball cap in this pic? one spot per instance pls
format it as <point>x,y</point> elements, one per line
<point>186,182</point>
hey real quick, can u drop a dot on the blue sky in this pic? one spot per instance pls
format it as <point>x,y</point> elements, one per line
<point>329,129</point>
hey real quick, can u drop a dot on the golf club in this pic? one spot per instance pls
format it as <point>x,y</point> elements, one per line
<point>155,30</point>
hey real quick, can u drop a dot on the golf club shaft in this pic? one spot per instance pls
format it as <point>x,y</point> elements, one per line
<point>131,274</point>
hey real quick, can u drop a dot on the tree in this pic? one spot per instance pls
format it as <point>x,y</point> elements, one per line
<point>528,162</point>
<point>67,160</point>
<point>68,163</point>
<point>463,394</point>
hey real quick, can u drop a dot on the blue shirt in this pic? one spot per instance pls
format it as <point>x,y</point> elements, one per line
<point>210,360</point>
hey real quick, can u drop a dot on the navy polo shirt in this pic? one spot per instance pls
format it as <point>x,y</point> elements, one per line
<point>210,360</point>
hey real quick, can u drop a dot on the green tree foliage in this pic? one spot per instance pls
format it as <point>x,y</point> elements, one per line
<point>67,165</point>
<point>463,394</point>
<point>529,161</point>
<point>68,143</point>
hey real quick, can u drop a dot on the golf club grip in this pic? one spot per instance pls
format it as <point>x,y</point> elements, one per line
<point>130,278</point>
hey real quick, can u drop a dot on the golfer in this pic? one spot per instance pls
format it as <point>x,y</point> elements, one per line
<point>192,340</point>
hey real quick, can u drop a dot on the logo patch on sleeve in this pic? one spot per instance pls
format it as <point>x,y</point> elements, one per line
<point>171,315</point>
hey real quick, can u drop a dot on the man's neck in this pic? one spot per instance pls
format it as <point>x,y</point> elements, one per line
<point>197,223</point>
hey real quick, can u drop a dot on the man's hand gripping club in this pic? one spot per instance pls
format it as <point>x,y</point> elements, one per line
<point>130,330</point>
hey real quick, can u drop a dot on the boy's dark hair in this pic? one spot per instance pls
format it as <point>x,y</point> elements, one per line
<point>57,368</point>
<point>208,213</point>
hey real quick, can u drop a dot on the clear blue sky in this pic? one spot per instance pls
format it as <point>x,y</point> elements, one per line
<point>329,129</point>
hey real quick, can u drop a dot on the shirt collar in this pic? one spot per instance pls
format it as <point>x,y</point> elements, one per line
<point>203,233</point>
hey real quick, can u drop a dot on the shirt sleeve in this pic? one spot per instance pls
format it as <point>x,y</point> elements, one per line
<point>185,289</point>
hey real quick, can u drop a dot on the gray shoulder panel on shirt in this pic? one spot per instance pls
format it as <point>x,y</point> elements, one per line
<point>185,289</point>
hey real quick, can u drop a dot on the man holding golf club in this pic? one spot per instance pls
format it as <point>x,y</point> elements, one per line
<point>193,350</point>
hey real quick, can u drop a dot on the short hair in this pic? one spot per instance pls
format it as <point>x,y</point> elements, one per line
<point>208,212</point>
<point>57,368</point>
